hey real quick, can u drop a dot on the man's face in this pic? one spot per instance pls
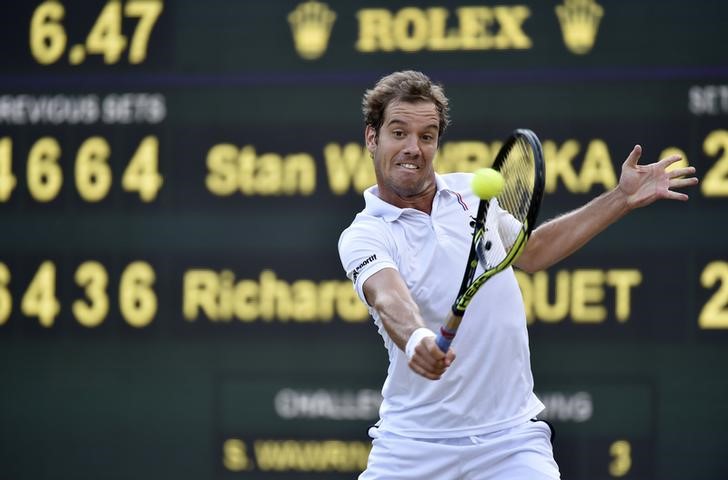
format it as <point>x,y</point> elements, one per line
<point>405,150</point>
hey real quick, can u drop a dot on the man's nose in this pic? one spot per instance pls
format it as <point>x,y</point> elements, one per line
<point>412,146</point>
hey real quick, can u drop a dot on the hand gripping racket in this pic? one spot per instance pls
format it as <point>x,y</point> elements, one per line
<point>520,162</point>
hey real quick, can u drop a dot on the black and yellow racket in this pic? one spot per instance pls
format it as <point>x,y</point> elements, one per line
<point>521,166</point>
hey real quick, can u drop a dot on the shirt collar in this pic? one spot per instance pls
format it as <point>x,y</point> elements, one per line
<point>377,207</point>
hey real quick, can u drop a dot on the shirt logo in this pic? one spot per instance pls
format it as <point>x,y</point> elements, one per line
<point>461,201</point>
<point>355,273</point>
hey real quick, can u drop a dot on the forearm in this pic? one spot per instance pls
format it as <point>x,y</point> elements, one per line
<point>560,237</point>
<point>388,295</point>
<point>400,318</point>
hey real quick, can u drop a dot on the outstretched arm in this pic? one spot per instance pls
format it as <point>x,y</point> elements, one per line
<point>639,186</point>
<point>387,293</point>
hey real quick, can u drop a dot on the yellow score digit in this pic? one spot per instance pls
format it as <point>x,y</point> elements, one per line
<point>40,299</point>
<point>142,173</point>
<point>93,278</point>
<point>105,37</point>
<point>715,183</point>
<point>93,174</point>
<point>44,175</point>
<point>714,314</point>
<point>6,300</point>
<point>7,179</point>
<point>137,300</point>
<point>47,36</point>
<point>621,464</point>
<point>148,12</point>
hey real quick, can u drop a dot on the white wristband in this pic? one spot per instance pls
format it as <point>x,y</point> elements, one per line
<point>415,340</point>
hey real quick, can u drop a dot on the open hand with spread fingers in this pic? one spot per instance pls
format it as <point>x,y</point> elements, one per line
<point>644,184</point>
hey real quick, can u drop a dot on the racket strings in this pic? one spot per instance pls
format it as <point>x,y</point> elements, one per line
<point>518,170</point>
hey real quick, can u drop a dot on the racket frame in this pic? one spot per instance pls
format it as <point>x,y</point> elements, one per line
<point>470,285</point>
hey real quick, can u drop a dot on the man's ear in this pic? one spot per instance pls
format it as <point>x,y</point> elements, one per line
<point>370,136</point>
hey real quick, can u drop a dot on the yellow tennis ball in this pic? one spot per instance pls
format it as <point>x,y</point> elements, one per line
<point>487,183</point>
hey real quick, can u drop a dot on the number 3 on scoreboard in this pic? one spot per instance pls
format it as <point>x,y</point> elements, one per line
<point>621,464</point>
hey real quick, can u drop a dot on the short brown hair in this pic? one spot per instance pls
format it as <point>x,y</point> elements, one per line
<point>407,86</point>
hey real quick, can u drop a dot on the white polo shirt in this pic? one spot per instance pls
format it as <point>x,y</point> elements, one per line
<point>489,387</point>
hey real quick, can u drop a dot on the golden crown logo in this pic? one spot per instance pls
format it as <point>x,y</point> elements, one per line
<point>311,24</point>
<point>579,21</point>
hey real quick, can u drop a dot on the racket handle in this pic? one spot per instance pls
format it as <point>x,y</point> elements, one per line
<point>448,330</point>
<point>444,339</point>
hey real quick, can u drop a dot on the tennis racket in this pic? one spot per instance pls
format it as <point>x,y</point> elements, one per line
<point>520,162</point>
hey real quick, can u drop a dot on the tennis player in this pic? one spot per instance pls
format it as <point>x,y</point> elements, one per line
<point>474,418</point>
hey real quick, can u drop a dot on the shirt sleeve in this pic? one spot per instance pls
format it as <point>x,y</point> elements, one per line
<point>364,250</point>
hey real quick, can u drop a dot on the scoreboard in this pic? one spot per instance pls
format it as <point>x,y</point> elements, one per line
<point>174,176</point>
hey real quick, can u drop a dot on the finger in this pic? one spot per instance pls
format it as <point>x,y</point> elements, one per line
<point>681,172</point>
<point>667,161</point>
<point>683,182</point>
<point>450,357</point>
<point>430,360</point>
<point>440,364</point>
<point>425,370</point>
<point>429,349</point>
<point>682,197</point>
<point>634,156</point>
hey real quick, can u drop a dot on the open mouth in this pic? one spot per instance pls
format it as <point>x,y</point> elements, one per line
<point>409,166</point>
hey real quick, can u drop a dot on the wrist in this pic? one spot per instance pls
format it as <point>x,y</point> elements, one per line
<point>415,339</point>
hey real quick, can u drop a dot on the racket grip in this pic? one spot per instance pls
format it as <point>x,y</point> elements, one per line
<point>444,338</point>
<point>448,330</point>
